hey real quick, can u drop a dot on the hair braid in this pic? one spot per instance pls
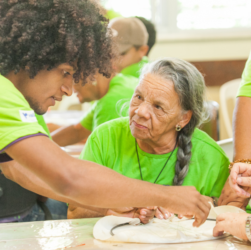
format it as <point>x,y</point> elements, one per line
<point>183,157</point>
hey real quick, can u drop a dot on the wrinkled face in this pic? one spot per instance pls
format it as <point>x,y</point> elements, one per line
<point>47,87</point>
<point>154,109</point>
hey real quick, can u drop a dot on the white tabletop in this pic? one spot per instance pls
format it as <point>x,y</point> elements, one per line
<point>77,234</point>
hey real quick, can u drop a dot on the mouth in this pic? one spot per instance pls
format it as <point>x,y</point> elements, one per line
<point>139,125</point>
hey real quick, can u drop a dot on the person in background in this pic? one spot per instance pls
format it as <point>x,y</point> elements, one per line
<point>131,39</point>
<point>238,225</point>
<point>46,46</point>
<point>159,142</point>
<point>135,68</point>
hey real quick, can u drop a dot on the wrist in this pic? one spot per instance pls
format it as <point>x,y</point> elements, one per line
<point>248,227</point>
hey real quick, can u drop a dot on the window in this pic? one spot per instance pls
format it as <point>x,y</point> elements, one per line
<point>184,17</point>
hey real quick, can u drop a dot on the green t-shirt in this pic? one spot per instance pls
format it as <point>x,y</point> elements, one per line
<point>121,89</point>
<point>112,145</point>
<point>110,14</point>
<point>134,69</point>
<point>245,88</point>
<point>17,119</point>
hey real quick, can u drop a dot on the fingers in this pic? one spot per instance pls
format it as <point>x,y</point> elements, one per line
<point>145,215</point>
<point>164,212</point>
<point>218,229</point>
<point>201,212</point>
<point>244,181</point>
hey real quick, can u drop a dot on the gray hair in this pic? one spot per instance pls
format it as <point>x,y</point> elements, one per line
<point>190,87</point>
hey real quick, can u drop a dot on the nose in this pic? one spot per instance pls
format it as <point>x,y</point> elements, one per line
<point>143,111</point>
<point>67,88</point>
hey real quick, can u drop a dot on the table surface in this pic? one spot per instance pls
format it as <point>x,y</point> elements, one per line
<point>77,234</point>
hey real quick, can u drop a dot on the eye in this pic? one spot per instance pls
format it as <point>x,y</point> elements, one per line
<point>158,107</point>
<point>66,73</point>
<point>138,97</point>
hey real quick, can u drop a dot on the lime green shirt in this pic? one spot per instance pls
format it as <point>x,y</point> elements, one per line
<point>112,145</point>
<point>245,88</point>
<point>110,14</point>
<point>107,108</point>
<point>17,119</point>
<point>135,69</point>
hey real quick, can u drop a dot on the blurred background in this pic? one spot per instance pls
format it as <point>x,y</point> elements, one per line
<point>214,35</point>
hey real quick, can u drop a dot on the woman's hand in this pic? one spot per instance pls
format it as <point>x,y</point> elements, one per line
<point>162,213</point>
<point>231,223</point>
<point>229,196</point>
<point>240,179</point>
<point>144,214</point>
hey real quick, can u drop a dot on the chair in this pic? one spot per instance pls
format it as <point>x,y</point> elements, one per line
<point>228,93</point>
<point>211,126</point>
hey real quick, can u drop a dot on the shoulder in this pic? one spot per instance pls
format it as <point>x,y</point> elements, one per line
<point>203,141</point>
<point>126,81</point>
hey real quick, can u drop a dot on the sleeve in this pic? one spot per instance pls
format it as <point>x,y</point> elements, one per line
<point>87,120</point>
<point>17,121</point>
<point>92,150</point>
<point>245,87</point>
<point>221,178</point>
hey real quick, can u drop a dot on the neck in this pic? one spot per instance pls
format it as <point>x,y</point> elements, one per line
<point>158,148</point>
<point>16,79</point>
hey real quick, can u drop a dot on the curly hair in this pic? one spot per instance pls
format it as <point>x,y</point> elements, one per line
<point>37,35</point>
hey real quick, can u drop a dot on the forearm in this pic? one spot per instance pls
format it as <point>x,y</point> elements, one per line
<point>79,212</point>
<point>82,181</point>
<point>241,128</point>
<point>70,135</point>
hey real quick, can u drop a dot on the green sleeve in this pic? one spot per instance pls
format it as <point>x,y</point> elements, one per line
<point>92,150</point>
<point>87,120</point>
<point>245,88</point>
<point>221,179</point>
<point>41,122</point>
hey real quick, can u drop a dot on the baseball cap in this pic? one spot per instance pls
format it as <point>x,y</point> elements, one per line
<point>128,32</point>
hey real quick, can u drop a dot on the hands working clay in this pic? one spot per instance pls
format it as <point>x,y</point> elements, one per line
<point>237,224</point>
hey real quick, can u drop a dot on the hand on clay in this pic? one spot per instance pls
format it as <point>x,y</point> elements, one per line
<point>162,213</point>
<point>231,223</point>
<point>189,202</point>
<point>144,214</point>
<point>230,196</point>
<point>240,179</point>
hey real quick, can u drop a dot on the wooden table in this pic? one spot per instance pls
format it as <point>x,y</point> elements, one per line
<point>77,234</point>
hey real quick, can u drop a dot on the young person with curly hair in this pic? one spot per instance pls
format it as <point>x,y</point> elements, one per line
<point>44,47</point>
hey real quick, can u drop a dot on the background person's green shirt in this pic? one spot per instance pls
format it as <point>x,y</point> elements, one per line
<point>112,145</point>
<point>245,87</point>
<point>17,119</point>
<point>135,69</point>
<point>121,88</point>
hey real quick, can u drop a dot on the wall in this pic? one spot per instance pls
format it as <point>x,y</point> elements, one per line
<point>232,48</point>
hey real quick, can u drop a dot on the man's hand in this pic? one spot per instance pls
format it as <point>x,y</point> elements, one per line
<point>231,223</point>
<point>229,196</point>
<point>144,214</point>
<point>189,202</point>
<point>240,179</point>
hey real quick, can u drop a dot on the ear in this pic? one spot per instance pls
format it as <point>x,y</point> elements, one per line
<point>185,118</point>
<point>143,50</point>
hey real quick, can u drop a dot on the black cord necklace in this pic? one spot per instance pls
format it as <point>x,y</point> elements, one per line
<point>163,166</point>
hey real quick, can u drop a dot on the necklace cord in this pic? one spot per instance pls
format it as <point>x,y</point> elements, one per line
<point>163,166</point>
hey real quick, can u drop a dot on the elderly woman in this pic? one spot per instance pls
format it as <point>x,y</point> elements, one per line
<point>159,142</point>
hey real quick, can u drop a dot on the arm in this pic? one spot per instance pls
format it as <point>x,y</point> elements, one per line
<point>70,135</point>
<point>28,180</point>
<point>241,128</point>
<point>91,184</point>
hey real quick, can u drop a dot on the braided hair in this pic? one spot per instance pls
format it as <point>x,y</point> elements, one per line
<point>41,34</point>
<point>190,86</point>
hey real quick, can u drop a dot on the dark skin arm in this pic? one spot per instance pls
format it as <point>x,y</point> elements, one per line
<point>90,184</point>
<point>70,135</point>
<point>242,149</point>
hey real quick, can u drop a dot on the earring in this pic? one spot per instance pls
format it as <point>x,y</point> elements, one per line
<point>178,128</point>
